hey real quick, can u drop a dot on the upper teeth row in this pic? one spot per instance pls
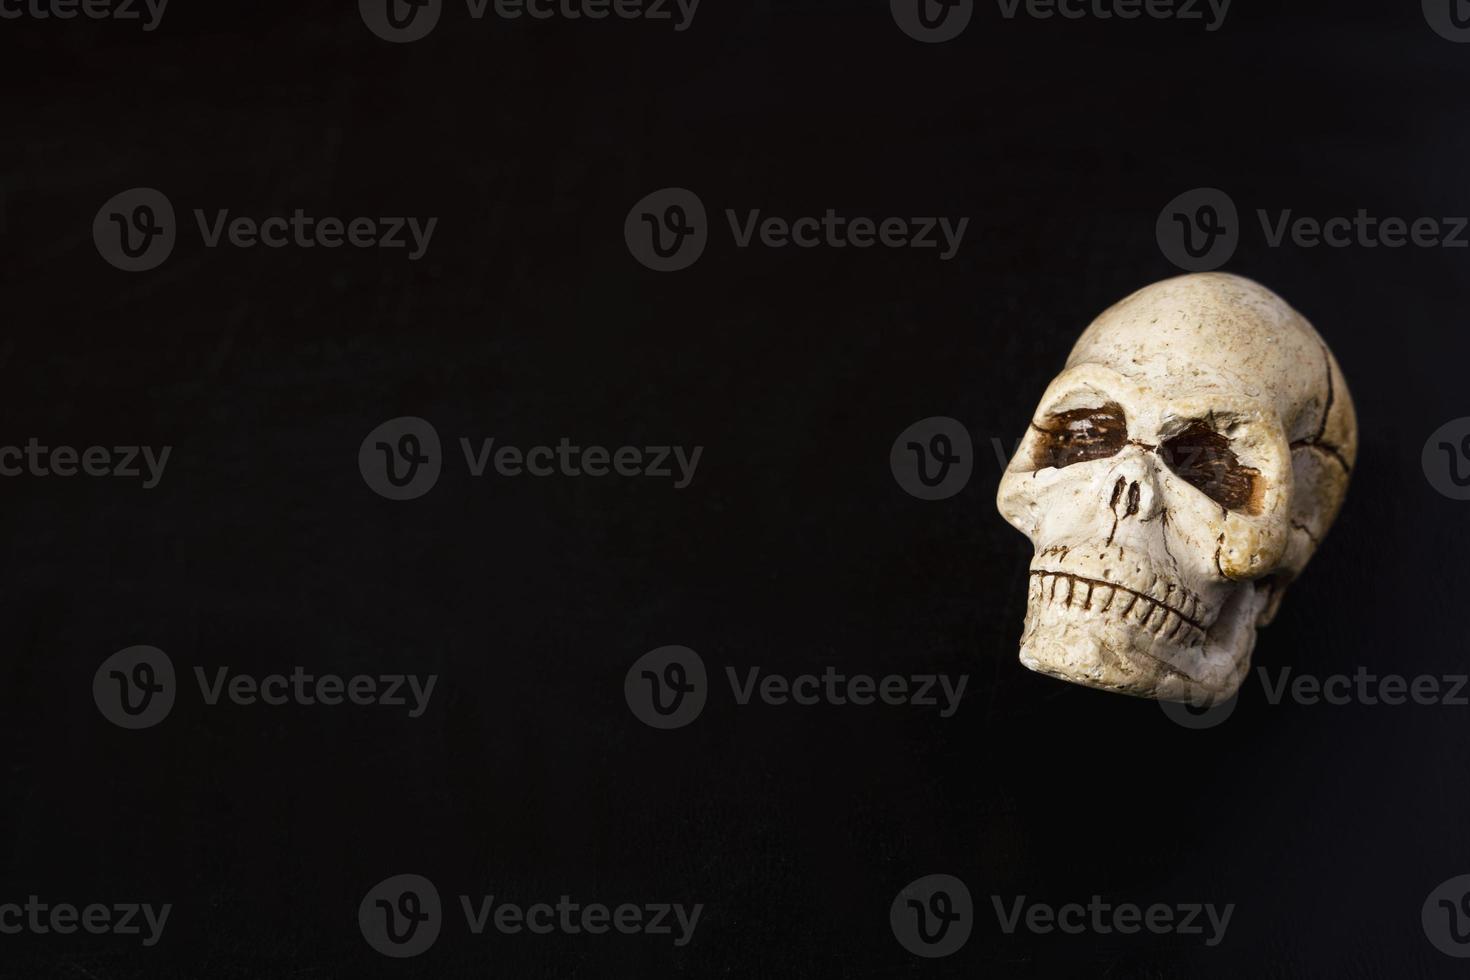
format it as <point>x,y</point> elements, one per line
<point>1108,599</point>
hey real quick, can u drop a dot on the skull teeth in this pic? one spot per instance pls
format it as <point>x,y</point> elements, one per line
<point>1118,602</point>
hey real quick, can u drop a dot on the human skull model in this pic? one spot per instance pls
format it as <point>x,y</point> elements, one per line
<point>1177,475</point>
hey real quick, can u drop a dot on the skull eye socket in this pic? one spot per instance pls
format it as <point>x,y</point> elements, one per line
<point>1202,457</point>
<point>1080,435</point>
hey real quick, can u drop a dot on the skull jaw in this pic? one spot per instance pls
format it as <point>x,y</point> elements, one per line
<point>1082,647</point>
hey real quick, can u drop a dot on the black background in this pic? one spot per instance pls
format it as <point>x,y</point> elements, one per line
<point>794,548</point>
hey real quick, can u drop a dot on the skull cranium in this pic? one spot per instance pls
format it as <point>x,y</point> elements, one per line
<point>1176,476</point>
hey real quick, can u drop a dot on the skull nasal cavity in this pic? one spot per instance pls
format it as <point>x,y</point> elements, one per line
<point>1126,492</point>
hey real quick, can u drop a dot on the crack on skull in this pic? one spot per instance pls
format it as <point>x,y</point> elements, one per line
<point>1331,395</point>
<point>1113,506</point>
<point>1326,448</point>
<point>1298,525</point>
<point>1164,534</point>
<point>1316,440</point>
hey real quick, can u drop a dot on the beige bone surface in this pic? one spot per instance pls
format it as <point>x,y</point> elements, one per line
<point>1177,475</point>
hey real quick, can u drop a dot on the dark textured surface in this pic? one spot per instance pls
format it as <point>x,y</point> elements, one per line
<point>793,549</point>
